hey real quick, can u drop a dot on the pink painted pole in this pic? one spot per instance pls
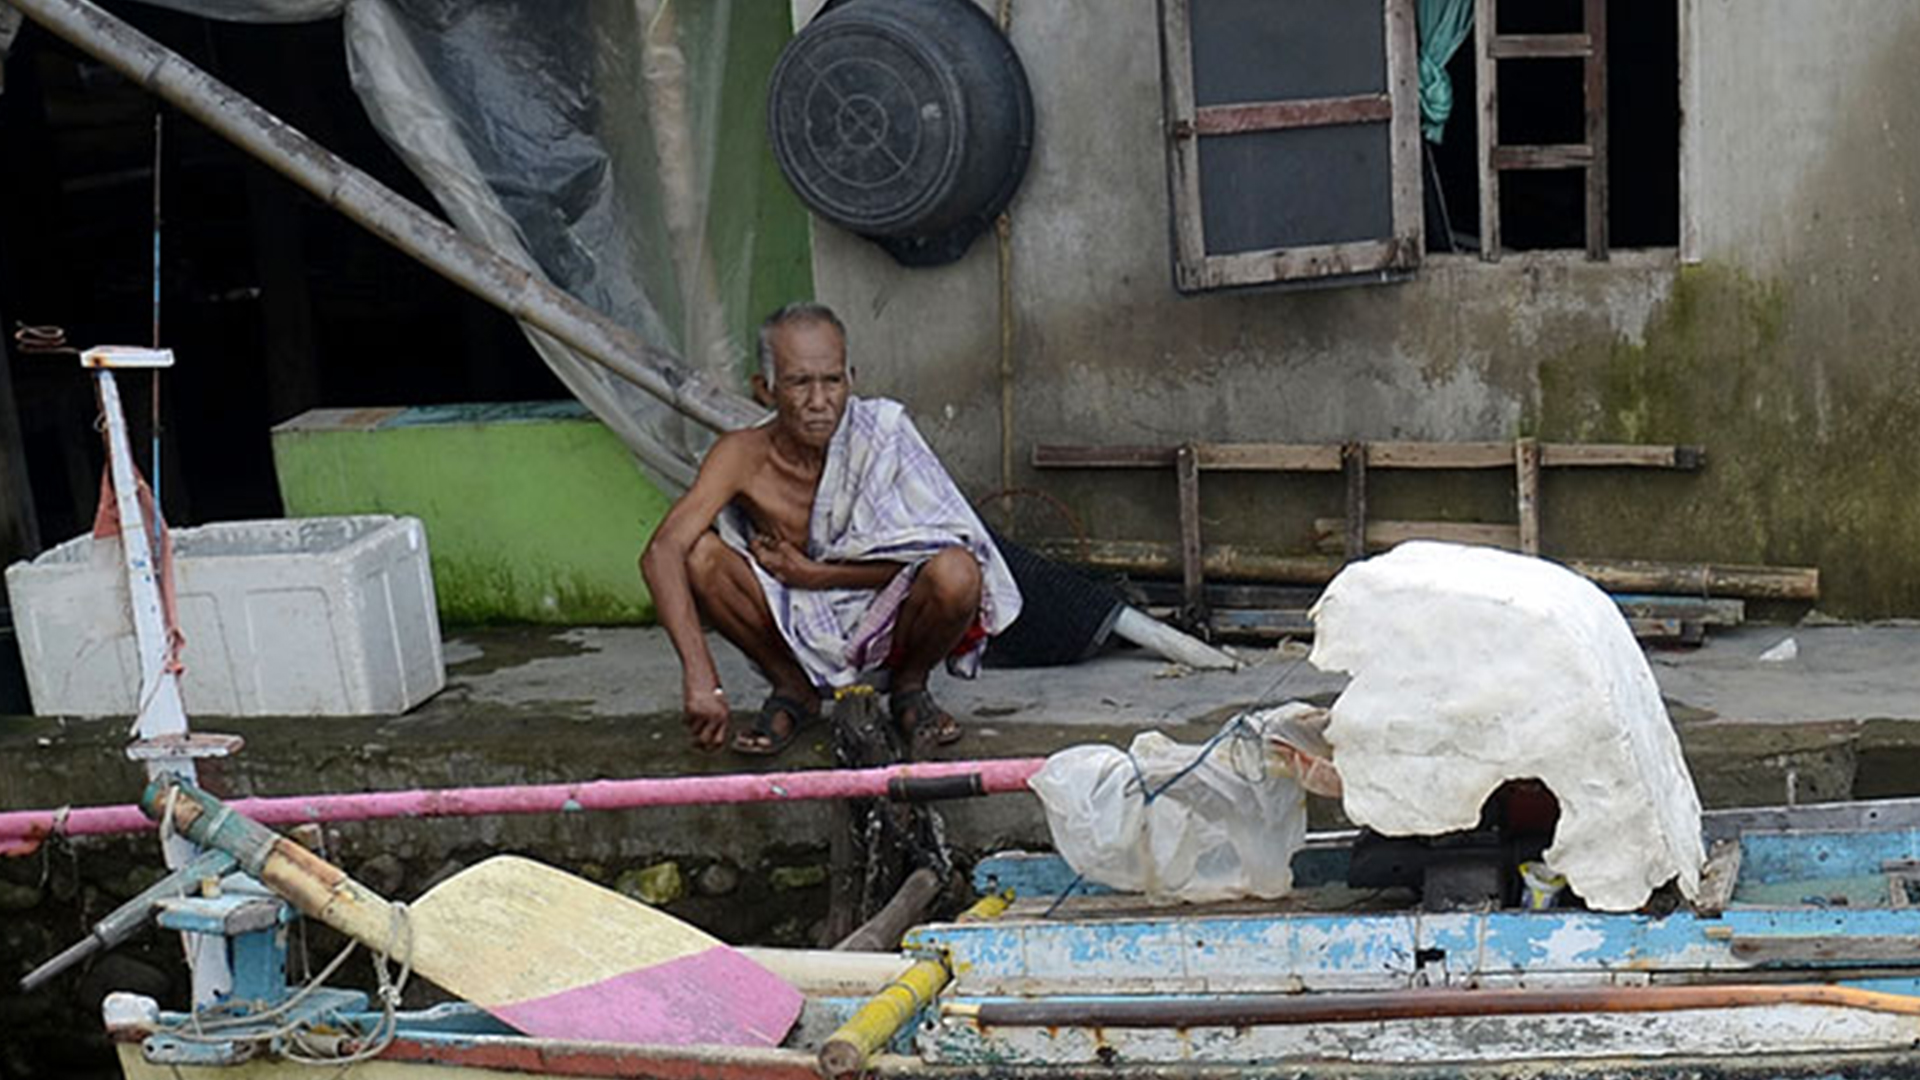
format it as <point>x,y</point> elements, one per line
<point>22,830</point>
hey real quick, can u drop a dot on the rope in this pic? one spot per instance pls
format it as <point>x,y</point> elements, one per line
<point>211,1026</point>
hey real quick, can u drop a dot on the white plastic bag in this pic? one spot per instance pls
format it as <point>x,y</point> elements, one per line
<point>1227,828</point>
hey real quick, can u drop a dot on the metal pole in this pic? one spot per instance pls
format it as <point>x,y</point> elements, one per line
<point>501,282</point>
<point>160,711</point>
<point>22,830</point>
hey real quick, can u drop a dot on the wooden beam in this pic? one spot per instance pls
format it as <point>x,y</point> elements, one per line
<point>1186,468</point>
<point>1330,533</point>
<point>1283,115</point>
<point>1222,595</point>
<point>1326,457</point>
<point>1707,612</point>
<point>1353,458</point>
<point>1487,100</point>
<point>1219,561</point>
<point>1570,156</point>
<point>1269,457</point>
<point>1701,579</point>
<point>1541,46</point>
<point>1526,485</point>
<point>1596,109</point>
<point>1238,563</point>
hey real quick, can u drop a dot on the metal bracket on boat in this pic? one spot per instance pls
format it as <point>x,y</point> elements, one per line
<point>184,746</point>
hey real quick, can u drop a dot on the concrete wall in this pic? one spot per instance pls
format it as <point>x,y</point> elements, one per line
<point>1783,344</point>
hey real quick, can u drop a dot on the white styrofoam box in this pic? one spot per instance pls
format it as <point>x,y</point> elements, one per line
<point>286,617</point>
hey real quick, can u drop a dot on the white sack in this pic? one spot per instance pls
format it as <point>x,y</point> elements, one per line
<point>1473,666</point>
<point>1227,829</point>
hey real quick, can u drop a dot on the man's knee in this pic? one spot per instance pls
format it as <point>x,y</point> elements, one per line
<point>953,580</point>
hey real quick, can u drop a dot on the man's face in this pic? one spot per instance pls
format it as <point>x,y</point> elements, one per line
<point>810,380</point>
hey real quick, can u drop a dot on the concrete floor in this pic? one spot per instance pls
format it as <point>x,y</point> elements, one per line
<point>1838,673</point>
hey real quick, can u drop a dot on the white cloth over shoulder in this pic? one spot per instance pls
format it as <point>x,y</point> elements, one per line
<point>1473,666</point>
<point>883,496</point>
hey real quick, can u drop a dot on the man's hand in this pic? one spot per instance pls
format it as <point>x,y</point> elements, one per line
<point>708,717</point>
<point>786,562</point>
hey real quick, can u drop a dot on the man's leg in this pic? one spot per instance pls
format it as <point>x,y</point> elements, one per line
<point>730,599</point>
<point>942,604</point>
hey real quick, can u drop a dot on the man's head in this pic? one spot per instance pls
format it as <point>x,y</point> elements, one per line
<point>803,374</point>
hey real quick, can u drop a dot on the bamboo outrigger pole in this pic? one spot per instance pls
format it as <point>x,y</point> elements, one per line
<point>505,284</point>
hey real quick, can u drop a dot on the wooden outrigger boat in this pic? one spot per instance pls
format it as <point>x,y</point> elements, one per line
<point>1810,968</point>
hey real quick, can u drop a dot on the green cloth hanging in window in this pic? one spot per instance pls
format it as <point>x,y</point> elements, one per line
<point>1444,24</point>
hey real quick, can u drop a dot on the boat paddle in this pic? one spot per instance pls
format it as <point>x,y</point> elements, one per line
<point>550,954</point>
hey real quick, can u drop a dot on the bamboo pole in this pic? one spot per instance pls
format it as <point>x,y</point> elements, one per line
<point>1226,562</point>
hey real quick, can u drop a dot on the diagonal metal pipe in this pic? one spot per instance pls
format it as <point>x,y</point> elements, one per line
<point>499,281</point>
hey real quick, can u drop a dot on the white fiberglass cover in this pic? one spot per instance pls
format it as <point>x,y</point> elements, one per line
<point>1473,666</point>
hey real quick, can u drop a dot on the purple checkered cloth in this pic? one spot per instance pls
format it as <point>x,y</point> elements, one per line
<point>883,497</point>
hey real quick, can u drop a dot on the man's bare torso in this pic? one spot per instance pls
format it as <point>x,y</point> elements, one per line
<point>776,491</point>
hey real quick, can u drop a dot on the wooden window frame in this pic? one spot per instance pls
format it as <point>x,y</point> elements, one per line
<point>1388,258</point>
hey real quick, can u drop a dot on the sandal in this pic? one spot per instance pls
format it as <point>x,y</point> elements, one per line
<point>940,728</point>
<point>773,742</point>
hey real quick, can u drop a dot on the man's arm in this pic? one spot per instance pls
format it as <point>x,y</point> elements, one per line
<point>791,567</point>
<point>664,565</point>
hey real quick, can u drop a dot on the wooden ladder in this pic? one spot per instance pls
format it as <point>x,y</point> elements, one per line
<point>1495,158</point>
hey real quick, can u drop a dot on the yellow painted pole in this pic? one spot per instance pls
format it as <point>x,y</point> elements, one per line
<point>882,1017</point>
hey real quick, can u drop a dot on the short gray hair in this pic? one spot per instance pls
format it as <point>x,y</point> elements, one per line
<point>800,312</point>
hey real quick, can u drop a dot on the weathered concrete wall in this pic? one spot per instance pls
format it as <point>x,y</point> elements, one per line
<point>1785,351</point>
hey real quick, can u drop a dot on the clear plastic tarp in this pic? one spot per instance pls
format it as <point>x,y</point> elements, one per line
<point>584,141</point>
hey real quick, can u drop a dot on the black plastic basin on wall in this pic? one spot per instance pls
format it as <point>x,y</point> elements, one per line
<point>909,122</point>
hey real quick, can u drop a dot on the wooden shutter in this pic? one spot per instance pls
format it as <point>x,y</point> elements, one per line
<point>1293,140</point>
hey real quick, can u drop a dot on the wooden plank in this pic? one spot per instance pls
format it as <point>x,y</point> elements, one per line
<point>1596,108</point>
<point>1432,455</point>
<point>1701,579</point>
<point>1700,609</point>
<point>1486,94</point>
<point>1305,263</point>
<point>1183,155</point>
<point>1238,563</point>
<point>1526,473</point>
<point>1668,631</point>
<point>1329,533</point>
<point>1265,623</point>
<point>1221,595</point>
<point>1186,469</point>
<point>1541,46</point>
<point>1568,156</point>
<point>1256,116</point>
<point>1825,948</point>
<point>1403,77</point>
<point>1218,561</point>
<point>1268,457</point>
<point>1326,457</point>
<point>1353,459</point>
<point>1059,456</point>
<point>1622,455</point>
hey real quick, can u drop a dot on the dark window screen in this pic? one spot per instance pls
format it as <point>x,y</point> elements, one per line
<point>1283,50</point>
<point>1276,189</point>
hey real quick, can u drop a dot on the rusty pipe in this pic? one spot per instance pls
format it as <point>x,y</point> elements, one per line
<point>1282,1009</point>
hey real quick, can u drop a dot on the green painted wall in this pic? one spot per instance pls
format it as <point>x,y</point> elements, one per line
<point>534,513</point>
